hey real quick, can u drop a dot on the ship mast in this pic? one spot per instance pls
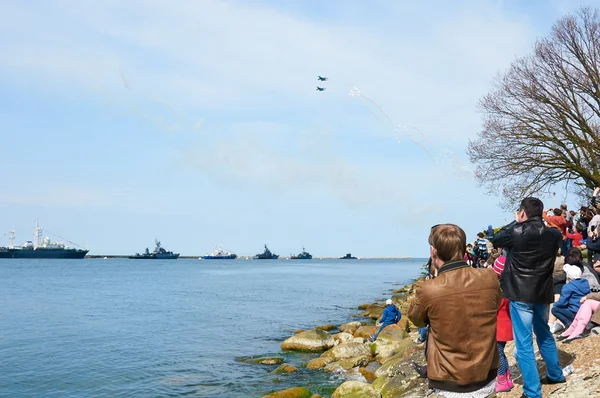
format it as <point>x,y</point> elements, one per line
<point>11,238</point>
<point>37,234</point>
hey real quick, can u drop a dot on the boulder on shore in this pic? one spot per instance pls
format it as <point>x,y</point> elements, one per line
<point>328,327</point>
<point>315,340</point>
<point>355,389</point>
<point>295,392</point>
<point>366,331</point>
<point>348,350</point>
<point>350,327</point>
<point>268,361</point>
<point>343,337</point>
<point>348,363</point>
<point>318,363</point>
<point>374,311</point>
<point>285,368</point>
<point>393,333</point>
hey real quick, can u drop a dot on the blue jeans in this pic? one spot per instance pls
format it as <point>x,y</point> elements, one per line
<point>565,315</point>
<point>423,333</point>
<point>383,325</point>
<point>525,317</point>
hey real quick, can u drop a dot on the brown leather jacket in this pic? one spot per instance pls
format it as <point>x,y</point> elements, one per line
<point>460,305</point>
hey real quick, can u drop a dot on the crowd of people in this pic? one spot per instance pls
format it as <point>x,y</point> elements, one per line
<point>529,277</point>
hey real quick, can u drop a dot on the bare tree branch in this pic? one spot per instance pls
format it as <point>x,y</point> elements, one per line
<point>541,121</point>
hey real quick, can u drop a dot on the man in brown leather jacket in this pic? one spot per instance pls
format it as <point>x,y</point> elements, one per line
<point>460,305</point>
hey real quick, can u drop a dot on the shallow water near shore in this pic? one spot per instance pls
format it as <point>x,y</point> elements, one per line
<point>122,327</point>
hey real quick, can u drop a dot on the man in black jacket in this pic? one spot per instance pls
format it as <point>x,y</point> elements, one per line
<point>527,283</point>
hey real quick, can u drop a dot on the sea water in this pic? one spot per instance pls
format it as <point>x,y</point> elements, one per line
<point>152,328</point>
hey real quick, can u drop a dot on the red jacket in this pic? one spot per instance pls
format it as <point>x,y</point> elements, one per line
<point>575,237</point>
<point>504,326</point>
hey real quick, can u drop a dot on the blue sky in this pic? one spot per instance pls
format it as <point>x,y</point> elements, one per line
<point>198,122</point>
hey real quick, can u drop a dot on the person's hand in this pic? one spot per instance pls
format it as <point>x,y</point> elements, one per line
<point>377,324</point>
<point>583,299</point>
<point>596,191</point>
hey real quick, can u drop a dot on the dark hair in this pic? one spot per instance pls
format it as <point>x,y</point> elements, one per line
<point>533,207</point>
<point>579,227</point>
<point>557,212</point>
<point>480,235</point>
<point>574,257</point>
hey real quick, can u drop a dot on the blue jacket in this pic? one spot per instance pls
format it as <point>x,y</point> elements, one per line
<point>571,293</point>
<point>391,314</point>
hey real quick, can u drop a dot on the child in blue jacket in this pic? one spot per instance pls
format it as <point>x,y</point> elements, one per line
<point>569,302</point>
<point>391,316</point>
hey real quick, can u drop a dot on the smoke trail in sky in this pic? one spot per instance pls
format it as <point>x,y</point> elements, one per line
<point>414,134</point>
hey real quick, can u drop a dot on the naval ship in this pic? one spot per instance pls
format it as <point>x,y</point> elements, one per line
<point>39,248</point>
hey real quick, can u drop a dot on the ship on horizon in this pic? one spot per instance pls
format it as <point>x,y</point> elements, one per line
<point>266,255</point>
<point>159,253</point>
<point>42,248</point>
<point>220,254</point>
<point>302,256</point>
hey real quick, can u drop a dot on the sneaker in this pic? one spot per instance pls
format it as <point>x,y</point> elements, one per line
<point>557,327</point>
<point>546,380</point>
<point>421,370</point>
<point>503,383</point>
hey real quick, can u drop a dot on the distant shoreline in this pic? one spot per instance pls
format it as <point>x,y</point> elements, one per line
<point>112,256</point>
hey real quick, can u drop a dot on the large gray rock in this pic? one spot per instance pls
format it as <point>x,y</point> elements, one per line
<point>350,327</point>
<point>349,350</point>
<point>343,337</point>
<point>315,340</point>
<point>355,389</point>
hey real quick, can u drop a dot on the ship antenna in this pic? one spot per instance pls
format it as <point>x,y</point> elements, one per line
<point>11,239</point>
<point>37,234</point>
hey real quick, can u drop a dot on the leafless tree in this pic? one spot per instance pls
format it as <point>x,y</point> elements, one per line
<point>541,121</point>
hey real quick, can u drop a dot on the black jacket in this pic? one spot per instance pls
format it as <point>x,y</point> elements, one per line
<point>532,249</point>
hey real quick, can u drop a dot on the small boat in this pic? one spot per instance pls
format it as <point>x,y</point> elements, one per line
<point>266,255</point>
<point>348,256</point>
<point>158,254</point>
<point>220,254</point>
<point>302,256</point>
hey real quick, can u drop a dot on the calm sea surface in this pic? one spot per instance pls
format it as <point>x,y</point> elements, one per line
<point>116,328</point>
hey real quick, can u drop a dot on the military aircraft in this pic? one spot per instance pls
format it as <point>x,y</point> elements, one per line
<point>321,88</point>
<point>322,79</point>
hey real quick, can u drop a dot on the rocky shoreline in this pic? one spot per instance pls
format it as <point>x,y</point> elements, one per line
<point>384,368</point>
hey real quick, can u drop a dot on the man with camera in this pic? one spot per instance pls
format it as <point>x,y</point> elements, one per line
<point>527,282</point>
<point>460,305</point>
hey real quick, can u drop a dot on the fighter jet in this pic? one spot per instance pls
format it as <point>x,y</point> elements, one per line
<point>321,88</point>
<point>322,78</point>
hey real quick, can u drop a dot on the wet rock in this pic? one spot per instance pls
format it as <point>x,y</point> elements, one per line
<point>355,389</point>
<point>364,306</point>
<point>369,371</point>
<point>312,341</point>
<point>343,337</point>
<point>327,327</point>
<point>318,363</point>
<point>350,327</point>
<point>298,331</point>
<point>285,368</point>
<point>366,331</point>
<point>268,361</point>
<point>295,392</point>
<point>348,363</point>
